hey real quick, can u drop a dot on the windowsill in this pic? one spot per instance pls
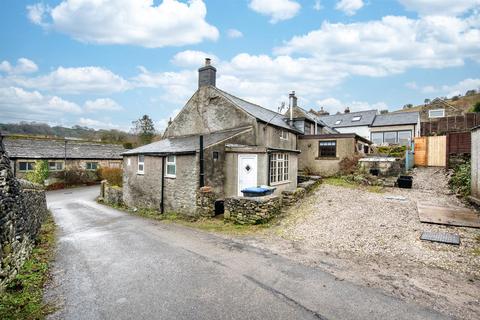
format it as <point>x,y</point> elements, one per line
<point>327,158</point>
<point>141,173</point>
<point>170,177</point>
<point>279,183</point>
<point>283,139</point>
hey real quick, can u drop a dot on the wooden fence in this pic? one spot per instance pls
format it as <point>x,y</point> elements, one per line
<point>450,124</point>
<point>431,151</point>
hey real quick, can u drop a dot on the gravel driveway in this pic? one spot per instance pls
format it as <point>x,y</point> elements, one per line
<point>363,237</point>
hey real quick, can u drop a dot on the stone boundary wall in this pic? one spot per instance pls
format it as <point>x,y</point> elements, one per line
<point>23,208</point>
<point>252,210</point>
<point>205,202</point>
<point>111,194</point>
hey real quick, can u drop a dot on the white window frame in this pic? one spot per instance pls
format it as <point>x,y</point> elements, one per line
<point>29,163</point>
<point>279,168</point>
<point>97,165</point>
<point>129,161</point>
<point>56,166</point>
<point>436,110</point>
<point>141,164</point>
<point>283,135</point>
<point>170,163</point>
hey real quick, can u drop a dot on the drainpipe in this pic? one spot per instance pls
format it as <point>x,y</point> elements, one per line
<point>162,209</point>
<point>65,162</point>
<point>269,155</point>
<point>202,164</point>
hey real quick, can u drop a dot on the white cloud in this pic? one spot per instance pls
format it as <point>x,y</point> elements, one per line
<point>97,124</point>
<point>349,7</point>
<point>461,87</point>
<point>102,104</point>
<point>440,7</point>
<point>234,33</point>
<point>317,5</point>
<point>192,58</point>
<point>23,65</point>
<point>27,104</point>
<point>333,105</point>
<point>277,10</point>
<point>391,45</point>
<point>139,22</point>
<point>73,81</point>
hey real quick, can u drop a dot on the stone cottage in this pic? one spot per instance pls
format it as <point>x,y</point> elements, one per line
<point>217,140</point>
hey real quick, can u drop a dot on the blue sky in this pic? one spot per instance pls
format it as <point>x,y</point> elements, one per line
<point>103,64</point>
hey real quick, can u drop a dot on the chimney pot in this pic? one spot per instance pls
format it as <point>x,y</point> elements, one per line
<point>208,61</point>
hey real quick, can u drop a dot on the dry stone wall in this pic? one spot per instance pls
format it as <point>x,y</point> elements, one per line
<point>23,208</point>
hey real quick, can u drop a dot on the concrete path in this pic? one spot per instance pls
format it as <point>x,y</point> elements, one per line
<point>111,265</point>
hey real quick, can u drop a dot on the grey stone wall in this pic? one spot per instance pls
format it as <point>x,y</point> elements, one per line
<point>111,194</point>
<point>475,160</point>
<point>23,208</point>
<point>252,210</point>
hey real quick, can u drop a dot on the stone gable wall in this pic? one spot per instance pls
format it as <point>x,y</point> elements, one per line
<point>23,208</point>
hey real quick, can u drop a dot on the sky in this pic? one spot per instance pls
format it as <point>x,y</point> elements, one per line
<point>105,63</point>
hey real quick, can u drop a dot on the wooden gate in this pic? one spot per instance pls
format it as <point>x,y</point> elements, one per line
<point>421,151</point>
<point>437,151</point>
<point>431,151</point>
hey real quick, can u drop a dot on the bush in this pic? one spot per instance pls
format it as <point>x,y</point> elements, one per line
<point>461,179</point>
<point>39,174</point>
<point>476,107</point>
<point>77,176</point>
<point>348,165</point>
<point>114,176</point>
<point>392,151</point>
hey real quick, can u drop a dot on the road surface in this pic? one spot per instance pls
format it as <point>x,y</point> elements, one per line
<point>110,265</point>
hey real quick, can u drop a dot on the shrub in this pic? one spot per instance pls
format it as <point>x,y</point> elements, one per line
<point>348,165</point>
<point>77,176</point>
<point>392,151</point>
<point>114,176</point>
<point>461,179</point>
<point>39,174</point>
<point>476,107</point>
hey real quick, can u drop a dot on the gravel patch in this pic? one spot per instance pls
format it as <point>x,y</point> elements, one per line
<point>363,237</point>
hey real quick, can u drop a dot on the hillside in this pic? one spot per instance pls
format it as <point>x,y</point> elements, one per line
<point>464,103</point>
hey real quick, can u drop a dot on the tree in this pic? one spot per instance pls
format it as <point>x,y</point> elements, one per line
<point>144,129</point>
<point>470,92</point>
<point>385,111</point>
<point>427,101</point>
<point>408,106</point>
<point>39,173</point>
<point>476,107</point>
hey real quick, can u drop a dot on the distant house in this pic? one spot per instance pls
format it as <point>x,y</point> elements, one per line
<point>351,122</point>
<point>60,154</point>
<point>395,128</point>
<point>217,140</point>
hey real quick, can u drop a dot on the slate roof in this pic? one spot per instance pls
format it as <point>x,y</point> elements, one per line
<point>367,118</point>
<point>184,144</point>
<point>261,113</point>
<point>35,148</point>
<point>395,119</point>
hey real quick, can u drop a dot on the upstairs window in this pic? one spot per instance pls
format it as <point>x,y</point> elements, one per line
<point>55,165</point>
<point>279,166</point>
<point>26,165</point>
<point>283,134</point>
<point>171,167</point>
<point>356,118</point>
<point>92,165</point>
<point>141,164</point>
<point>436,113</point>
<point>327,149</point>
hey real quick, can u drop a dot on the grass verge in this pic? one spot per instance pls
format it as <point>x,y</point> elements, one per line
<point>216,224</point>
<point>23,297</point>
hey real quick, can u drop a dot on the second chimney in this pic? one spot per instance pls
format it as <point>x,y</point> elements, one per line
<point>347,110</point>
<point>207,75</point>
<point>293,99</point>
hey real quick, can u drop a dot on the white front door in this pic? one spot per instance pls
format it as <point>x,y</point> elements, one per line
<point>247,171</point>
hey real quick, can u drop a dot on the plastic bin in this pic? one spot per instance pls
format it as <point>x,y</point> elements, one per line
<point>257,191</point>
<point>405,182</point>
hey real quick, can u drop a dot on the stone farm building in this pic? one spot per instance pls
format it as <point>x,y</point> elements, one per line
<point>61,154</point>
<point>244,145</point>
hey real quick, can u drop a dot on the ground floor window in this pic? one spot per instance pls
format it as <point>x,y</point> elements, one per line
<point>402,137</point>
<point>279,165</point>
<point>327,149</point>
<point>55,165</point>
<point>92,165</point>
<point>26,165</point>
<point>141,164</point>
<point>114,164</point>
<point>171,167</point>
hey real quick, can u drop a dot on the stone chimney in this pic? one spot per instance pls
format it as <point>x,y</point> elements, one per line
<point>322,112</point>
<point>207,75</point>
<point>347,110</point>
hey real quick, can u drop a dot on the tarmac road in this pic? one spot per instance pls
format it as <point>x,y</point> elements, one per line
<point>110,265</point>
